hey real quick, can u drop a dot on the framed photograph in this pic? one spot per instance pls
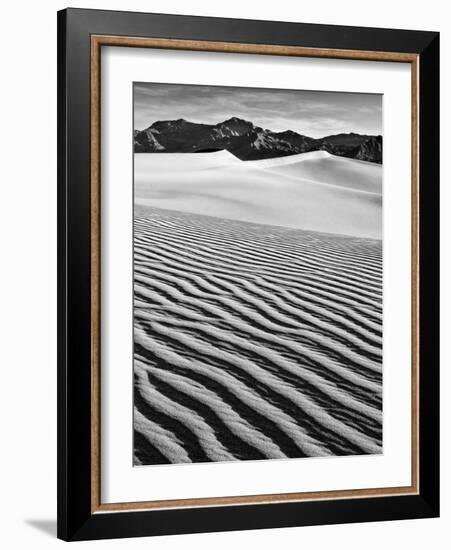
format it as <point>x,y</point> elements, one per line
<point>248,274</point>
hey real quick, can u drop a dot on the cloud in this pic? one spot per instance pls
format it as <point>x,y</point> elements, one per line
<point>314,113</point>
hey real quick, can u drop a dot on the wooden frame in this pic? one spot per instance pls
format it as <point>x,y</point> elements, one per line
<point>81,514</point>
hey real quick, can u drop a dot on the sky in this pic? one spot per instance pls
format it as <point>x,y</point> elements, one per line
<point>311,113</point>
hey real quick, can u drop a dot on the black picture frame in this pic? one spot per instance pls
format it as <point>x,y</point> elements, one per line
<point>76,519</point>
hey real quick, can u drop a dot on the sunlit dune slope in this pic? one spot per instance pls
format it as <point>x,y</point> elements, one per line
<point>315,191</point>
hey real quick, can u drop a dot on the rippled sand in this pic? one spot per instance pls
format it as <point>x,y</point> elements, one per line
<point>254,341</point>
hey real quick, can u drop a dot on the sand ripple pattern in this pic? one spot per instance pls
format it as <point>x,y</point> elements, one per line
<point>254,342</point>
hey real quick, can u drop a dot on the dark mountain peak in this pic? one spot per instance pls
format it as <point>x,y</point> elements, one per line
<point>236,120</point>
<point>371,150</point>
<point>235,123</point>
<point>172,125</point>
<point>291,134</point>
<point>352,145</point>
<point>161,123</point>
<point>287,133</point>
<point>233,127</point>
<point>181,123</point>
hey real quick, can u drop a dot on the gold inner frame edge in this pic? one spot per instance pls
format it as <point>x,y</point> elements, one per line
<point>97,41</point>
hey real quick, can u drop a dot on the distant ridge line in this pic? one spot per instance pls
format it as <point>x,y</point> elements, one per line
<point>250,142</point>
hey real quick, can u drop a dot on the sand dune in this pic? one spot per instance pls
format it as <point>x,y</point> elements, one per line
<point>315,191</point>
<point>253,341</point>
<point>322,167</point>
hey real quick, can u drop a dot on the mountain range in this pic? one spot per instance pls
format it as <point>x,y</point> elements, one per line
<point>249,142</point>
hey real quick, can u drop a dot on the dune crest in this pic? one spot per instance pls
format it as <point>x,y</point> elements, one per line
<point>314,191</point>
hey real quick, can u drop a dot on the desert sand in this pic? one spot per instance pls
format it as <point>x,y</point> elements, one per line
<point>312,191</point>
<point>254,341</point>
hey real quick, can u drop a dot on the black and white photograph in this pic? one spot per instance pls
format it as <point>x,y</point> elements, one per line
<point>257,271</point>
